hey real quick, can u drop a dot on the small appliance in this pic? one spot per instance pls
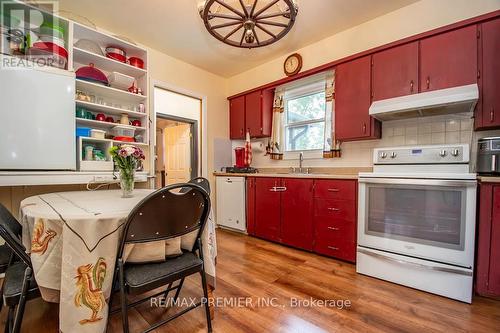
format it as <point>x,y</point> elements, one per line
<point>488,155</point>
<point>239,153</point>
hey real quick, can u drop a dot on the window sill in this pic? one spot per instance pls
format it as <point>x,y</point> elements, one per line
<point>308,154</point>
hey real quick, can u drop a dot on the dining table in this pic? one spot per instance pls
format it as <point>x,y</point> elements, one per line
<point>72,236</point>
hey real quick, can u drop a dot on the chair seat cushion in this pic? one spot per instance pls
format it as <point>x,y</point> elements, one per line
<point>152,275</point>
<point>5,253</point>
<point>13,284</point>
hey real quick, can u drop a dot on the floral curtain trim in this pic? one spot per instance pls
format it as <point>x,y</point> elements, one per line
<point>274,148</point>
<point>331,147</point>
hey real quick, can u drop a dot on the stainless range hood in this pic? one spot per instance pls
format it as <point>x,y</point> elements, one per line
<point>444,101</point>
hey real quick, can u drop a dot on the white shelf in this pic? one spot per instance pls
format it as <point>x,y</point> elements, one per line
<point>110,109</point>
<point>104,124</point>
<point>30,178</point>
<point>106,64</point>
<point>88,139</point>
<point>109,92</point>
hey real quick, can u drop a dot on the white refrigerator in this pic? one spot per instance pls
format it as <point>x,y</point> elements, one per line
<point>37,119</point>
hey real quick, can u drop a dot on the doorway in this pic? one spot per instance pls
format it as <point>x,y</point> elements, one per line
<point>176,150</point>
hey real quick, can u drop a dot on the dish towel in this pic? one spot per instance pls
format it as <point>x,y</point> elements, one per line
<point>248,150</point>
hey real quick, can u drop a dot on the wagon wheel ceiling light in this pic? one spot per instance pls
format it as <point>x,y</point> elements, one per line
<point>248,23</point>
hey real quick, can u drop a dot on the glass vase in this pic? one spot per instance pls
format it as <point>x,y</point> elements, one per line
<point>127,182</point>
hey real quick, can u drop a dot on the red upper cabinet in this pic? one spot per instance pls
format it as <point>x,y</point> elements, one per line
<point>395,72</point>
<point>352,101</point>
<point>237,118</point>
<point>296,213</point>
<point>259,108</point>
<point>449,59</point>
<point>488,110</point>
<point>267,208</point>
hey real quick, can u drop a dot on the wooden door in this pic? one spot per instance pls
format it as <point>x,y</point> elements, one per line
<point>296,213</point>
<point>395,72</point>
<point>267,208</point>
<point>250,206</point>
<point>449,59</point>
<point>494,272</point>
<point>490,74</point>
<point>352,101</point>
<point>237,118</point>
<point>253,113</point>
<point>178,154</point>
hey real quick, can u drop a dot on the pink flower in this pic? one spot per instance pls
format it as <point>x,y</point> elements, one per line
<point>122,152</point>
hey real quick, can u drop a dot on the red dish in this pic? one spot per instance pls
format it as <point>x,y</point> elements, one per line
<point>90,73</point>
<point>136,62</point>
<point>116,53</point>
<point>124,138</point>
<point>116,56</point>
<point>51,48</point>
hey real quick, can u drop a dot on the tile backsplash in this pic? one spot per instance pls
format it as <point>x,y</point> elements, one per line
<point>443,129</point>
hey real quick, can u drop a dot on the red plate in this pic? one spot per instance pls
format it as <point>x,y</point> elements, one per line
<point>52,48</point>
<point>124,138</point>
<point>116,56</point>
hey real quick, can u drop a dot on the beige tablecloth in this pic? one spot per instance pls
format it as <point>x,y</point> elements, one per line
<point>73,239</point>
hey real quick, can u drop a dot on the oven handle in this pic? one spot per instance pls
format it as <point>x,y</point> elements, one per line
<point>405,181</point>
<point>407,263</point>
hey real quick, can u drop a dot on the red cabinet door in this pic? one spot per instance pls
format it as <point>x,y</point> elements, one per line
<point>237,118</point>
<point>494,273</point>
<point>267,208</point>
<point>395,72</point>
<point>490,75</point>
<point>449,59</point>
<point>250,207</point>
<point>253,113</point>
<point>352,100</point>
<point>296,213</point>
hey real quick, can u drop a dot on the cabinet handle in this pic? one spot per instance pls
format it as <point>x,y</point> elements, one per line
<point>261,130</point>
<point>364,128</point>
<point>273,189</point>
<point>411,86</point>
<point>333,190</point>
<point>241,131</point>
<point>428,82</point>
<point>492,115</point>
<point>333,248</point>
<point>333,228</point>
<point>333,209</point>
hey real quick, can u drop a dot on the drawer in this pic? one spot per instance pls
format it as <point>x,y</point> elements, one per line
<point>339,246</point>
<point>335,189</point>
<point>335,209</point>
<point>326,228</point>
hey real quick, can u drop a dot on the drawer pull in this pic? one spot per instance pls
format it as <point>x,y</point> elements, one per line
<point>333,190</point>
<point>333,228</point>
<point>333,209</point>
<point>333,248</point>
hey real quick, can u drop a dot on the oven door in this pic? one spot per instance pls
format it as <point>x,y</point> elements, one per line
<point>427,219</point>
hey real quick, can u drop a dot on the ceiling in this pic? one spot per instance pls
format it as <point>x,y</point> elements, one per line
<point>174,27</point>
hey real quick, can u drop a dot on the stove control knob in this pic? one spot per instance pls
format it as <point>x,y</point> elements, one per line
<point>455,152</point>
<point>393,154</point>
<point>383,155</point>
<point>442,153</point>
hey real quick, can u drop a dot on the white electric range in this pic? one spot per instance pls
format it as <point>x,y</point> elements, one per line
<point>416,219</point>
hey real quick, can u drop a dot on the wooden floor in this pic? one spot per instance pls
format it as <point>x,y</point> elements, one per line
<point>256,269</point>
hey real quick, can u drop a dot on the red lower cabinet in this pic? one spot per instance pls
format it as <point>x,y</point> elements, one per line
<point>267,208</point>
<point>314,215</point>
<point>335,219</point>
<point>488,247</point>
<point>296,212</point>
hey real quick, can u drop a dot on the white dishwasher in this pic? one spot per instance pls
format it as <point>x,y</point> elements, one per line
<point>231,203</point>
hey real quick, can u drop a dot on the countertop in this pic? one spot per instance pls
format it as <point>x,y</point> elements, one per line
<point>319,173</point>
<point>489,179</point>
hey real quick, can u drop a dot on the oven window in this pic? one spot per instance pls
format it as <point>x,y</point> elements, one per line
<point>426,215</point>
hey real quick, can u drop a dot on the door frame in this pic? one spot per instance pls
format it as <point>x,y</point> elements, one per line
<point>193,127</point>
<point>202,129</point>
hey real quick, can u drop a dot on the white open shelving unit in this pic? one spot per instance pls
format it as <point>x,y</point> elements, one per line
<point>115,102</point>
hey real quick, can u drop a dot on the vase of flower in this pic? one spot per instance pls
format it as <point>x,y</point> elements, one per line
<point>127,158</point>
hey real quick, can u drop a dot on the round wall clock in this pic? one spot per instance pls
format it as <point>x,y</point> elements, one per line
<point>293,64</point>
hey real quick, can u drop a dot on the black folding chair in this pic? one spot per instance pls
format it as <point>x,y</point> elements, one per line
<point>19,284</point>
<point>203,182</point>
<point>172,211</point>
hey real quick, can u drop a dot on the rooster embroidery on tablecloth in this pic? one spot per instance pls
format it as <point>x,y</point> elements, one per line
<point>41,238</point>
<point>90,279</point>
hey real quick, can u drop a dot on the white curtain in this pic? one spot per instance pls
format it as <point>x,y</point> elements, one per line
<point>275,148</point>
<point>331,147</point>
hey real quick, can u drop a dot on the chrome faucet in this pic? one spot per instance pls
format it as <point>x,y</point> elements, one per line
<point>301,160</point>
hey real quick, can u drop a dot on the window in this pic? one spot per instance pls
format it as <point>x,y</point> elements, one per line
<point>304,125</point>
